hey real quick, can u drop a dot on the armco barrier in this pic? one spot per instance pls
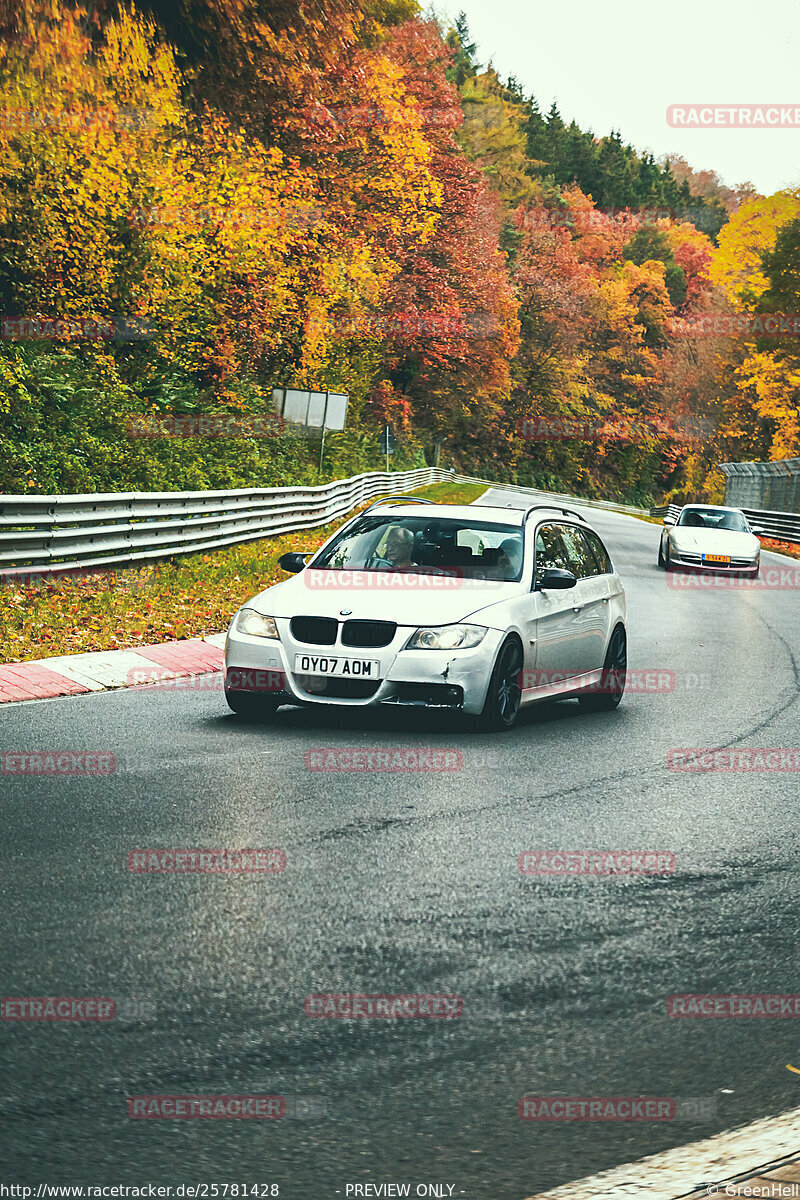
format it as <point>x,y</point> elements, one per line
<point>44,534</point>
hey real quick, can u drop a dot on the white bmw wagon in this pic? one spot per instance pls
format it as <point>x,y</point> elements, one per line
<point>473,608</point>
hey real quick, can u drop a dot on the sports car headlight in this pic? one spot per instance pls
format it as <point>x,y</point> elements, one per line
<point>254,625</point>
<point>447,637</point>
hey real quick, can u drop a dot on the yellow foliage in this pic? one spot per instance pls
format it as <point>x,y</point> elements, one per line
<point>752,229</point>
<point>115,200</point>
<point>776,384</point>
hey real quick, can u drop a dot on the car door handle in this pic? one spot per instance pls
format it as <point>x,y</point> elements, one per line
<point>577,608</point>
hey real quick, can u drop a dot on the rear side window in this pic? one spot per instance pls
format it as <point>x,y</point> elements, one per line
<point>604,566</point>
<point>550,551</point>
<point>582,561</point>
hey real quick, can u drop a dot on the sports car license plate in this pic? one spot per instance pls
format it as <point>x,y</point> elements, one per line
<point>327,664</point>
<point>720,558</point>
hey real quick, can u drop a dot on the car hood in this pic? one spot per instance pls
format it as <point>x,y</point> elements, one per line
<point>408,600</point>
<point>715,541</point>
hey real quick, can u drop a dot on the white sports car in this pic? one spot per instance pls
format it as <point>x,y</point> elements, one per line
<point>474,608</point>
<point>710,537</point>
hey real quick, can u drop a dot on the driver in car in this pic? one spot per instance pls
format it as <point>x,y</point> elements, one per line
<point>399,542</point>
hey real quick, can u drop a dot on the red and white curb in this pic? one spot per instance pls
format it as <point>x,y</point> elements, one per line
<point>73,674</point>
<point>698,1169</point>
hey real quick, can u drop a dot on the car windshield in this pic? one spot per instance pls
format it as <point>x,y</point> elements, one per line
<point>472,549</point>
<point>713,518</point>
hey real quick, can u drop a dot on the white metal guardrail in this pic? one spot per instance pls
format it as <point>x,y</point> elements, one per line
<point>663,510</point>
<point>42,535</point>
<point>48,534</point>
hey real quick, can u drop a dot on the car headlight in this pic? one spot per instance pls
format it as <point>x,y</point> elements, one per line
<point>252,623</point>
<point>447,637</point>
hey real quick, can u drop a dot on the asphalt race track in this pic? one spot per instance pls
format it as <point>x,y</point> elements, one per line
<point>408,883</point>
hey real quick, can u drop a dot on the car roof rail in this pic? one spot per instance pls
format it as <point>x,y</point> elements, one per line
<point>399,500</point>
<point>567,512</point>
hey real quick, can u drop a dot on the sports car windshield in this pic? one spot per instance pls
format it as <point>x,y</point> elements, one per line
<point>712,518</point>
<point>472,549</point>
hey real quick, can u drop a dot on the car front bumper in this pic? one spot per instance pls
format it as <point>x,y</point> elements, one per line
<point>693,562</point>
<point>454,679</point>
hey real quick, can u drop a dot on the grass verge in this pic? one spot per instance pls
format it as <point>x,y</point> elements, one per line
<point>181,598</point>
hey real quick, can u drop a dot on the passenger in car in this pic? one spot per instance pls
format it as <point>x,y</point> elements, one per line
<point>494,563</point>
<point>511,551</point>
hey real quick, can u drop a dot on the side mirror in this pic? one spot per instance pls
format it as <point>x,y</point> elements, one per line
<point>757,530</point>
<point>293,561</point>
<point>668,520</point>
<point>556,579</point>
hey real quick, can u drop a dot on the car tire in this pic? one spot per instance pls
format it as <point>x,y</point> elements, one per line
<point>503,696</point>
<point>661,560</point>
<point>668,564</point>
<point>251,706</point>
<point>615,669</point>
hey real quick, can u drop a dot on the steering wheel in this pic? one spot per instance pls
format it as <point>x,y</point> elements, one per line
<point>377,561</point>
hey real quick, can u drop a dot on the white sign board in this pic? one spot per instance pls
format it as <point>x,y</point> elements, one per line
<point>337,410</point>
<point>314,410</point>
